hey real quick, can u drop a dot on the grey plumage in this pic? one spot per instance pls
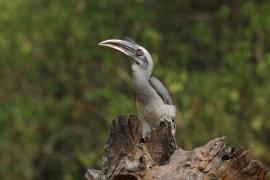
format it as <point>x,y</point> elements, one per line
<point>153,101</point>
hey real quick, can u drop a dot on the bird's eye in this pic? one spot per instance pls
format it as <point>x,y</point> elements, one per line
<point>139,52</point>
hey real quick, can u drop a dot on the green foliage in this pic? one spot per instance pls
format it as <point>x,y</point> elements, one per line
<point>59,91</point>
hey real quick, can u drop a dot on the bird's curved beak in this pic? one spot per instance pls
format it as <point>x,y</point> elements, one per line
<point>121,45</point>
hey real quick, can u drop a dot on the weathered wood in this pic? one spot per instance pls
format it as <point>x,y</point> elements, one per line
<point>159,158</point>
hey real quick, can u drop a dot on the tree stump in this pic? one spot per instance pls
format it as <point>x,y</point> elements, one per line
<point>159,158</point>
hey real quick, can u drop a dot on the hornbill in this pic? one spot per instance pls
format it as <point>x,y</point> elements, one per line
<point>153,101</point>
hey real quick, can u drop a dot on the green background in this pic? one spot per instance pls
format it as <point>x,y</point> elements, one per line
<point>59,91</point>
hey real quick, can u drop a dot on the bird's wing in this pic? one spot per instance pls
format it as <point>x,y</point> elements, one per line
<point>161,90</point>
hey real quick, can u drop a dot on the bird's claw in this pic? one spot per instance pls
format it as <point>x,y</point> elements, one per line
<point>170,121</point>
<point>162,120</point>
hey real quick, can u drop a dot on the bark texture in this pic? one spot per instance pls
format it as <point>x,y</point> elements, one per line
<point>159,158</point>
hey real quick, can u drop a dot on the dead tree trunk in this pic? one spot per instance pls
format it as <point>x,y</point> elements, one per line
<point>160,158</point>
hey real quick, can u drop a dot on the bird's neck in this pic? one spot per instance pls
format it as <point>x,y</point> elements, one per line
<point>140,79</point>
<point>141,88</point>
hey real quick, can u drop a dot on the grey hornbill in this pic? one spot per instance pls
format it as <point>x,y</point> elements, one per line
<point>153,101</point>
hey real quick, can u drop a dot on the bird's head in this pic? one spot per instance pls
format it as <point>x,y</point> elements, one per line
<point>141,60</point>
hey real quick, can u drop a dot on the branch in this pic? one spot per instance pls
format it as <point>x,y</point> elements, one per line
<point>159,157</point>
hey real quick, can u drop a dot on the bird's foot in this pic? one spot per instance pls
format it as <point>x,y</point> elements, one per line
<point>163,119</point>
<point>171,122</point>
